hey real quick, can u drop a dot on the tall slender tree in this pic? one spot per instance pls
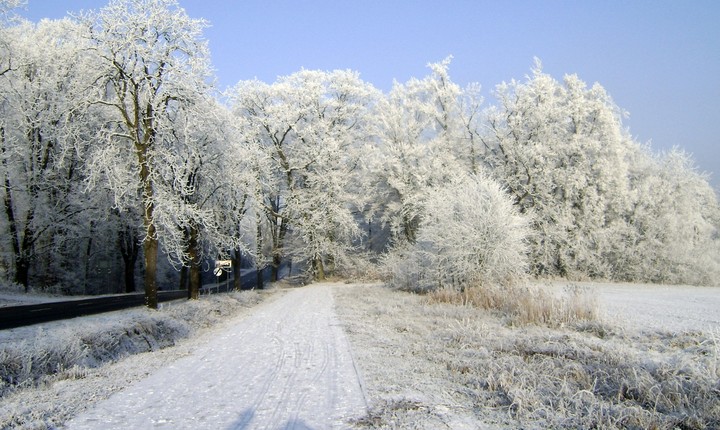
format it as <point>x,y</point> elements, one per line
<point>427,131</point>
<point>152,60</point>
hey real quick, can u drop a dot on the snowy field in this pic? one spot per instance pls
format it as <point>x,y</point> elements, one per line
<point>652,362</point>
<point>658,307</point>
<point>287,363</point>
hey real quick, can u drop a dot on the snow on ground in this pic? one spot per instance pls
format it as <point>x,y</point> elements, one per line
<point>672,308</point>
<point>439,365</point>
<point>288,365</point>
<point>92,357</point>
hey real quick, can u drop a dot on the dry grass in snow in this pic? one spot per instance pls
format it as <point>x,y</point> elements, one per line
<point>432,364</point>
<point>525,304</point>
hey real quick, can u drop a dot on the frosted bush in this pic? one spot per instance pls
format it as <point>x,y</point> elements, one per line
<point>403,268</point>
<point>470,233</point>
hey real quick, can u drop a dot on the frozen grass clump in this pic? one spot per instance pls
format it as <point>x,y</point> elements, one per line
<point>525,304</point>
<point>568,381</point>
<point>63,351</point>
<point>434,364</point>
<point>39,354</point>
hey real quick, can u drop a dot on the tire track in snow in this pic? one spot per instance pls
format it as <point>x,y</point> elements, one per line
<point>265,388</point>
<point>287,365</point>
<point>318,374</point>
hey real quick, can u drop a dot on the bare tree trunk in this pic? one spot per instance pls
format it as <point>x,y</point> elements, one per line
<point>184,270</point>
<point>278,244</point>
<point>150,253</point>
<point>236,257</point>
<point>184,279</point>
<point>330,266</point>
<point>329,259</point>
<point>22,274</point>
<point>88,254</point>
<point>194,256</point>
<point>275,271</point>
<point>318,269</point>
<point>129,249</point>
<point>22,263</point>
<point>150,244</point>
<point>258,267</point>
<point>195,282</point>
<point>150,249</point>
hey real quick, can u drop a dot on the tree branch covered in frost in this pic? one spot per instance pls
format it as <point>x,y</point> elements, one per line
<point>6,10</point>
<point>112,138</point>
<point>308,127</point>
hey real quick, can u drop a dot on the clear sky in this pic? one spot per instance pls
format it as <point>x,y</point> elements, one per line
<point>658,59</point>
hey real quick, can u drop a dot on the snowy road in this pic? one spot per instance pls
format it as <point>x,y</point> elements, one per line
<point>286,366</point>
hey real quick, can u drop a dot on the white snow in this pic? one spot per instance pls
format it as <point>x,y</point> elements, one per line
<point>438,365</point>
<point>287,365</point>
<point>672,308</point>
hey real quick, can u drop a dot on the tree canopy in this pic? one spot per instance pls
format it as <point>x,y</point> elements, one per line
<point>117,152</point>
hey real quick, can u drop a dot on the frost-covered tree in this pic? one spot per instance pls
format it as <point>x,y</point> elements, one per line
<point>43,204</point>
<point>603,205</point>
<point>674,222</point>
<point>152,62</point>
<point>427,130</point>
<point>338,123</point>
<point>266,115</point>
<point>206,181</point>
<point>471,234</point>
<point>560,149</point>
<point>309,126</point>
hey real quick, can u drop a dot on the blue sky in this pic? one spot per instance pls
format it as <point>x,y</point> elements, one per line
<point>659,59</point>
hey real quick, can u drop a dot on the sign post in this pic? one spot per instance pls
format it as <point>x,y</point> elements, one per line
<point>220,267</point>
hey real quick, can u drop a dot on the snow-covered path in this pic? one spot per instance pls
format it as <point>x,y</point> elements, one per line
<point>286,366</point>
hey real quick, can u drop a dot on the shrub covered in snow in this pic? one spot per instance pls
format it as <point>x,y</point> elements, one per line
<point>471,233</point>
